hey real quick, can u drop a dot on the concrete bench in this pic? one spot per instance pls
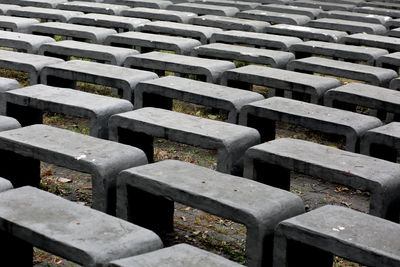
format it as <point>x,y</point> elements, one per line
<point>183,255</point>
<point>274,17</point>
<point>32,64</point>
<point>306,33</point>
<point>156,4</point>
<point>23,42</point>
<point>8,123</point>
<point>92,7</point>
<point>117,23</point>
<point>32,217</point>
<point>382,142</point>
<point>4,8</point>
<point>259,40</point>
<point>392,44</point>
<point>278,81</point>
<point>378,11</point>
<point>393,23</point>
<point>373,75</point>
<point>272,162</point>
<point>228,23</point>
<point>159,14</point>
<point>139,127</point>
<point>348,26</point>
<point>350,95</point>
<point>102,159</point>
<point>5,185</point>
<point>5,85</point>
<point>201,9</point>
<point>276,59</point>
<point>346,52</point>
<point>209,70</point>
<point>16,24</point>
<point>387,5</point>
<point>160,92</point>
<point>312,13</point>
<point>394,33</point>
<point>95,35</point>
<point>354,16</point>
<point>156,186</point>
<point>263,114</point>
<point>326,6</point>
<point>68,73</point>
<point>100,53</point>
<point>28,104</point>
<point>391,61</point>
<point>241,5</point>
<point>340,231</point>
<point>201,33</point>
<point>46,14</point>
<point>145,42</point>
<point>41,3</point>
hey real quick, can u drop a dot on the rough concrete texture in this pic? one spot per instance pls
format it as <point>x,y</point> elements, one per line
<point>5,85</point>
<point>326,6</point>
<point>386,136</point>
<point>43,13</point>
<point>178,255</point>
<point>123,79</point>
<point>8,123</point>
<point>274,17</point>
<point>41,3</point>
<point>373,75</point>
<point>148,41</point>
<point>325,119</point>
<point>354,16</point>
<point>392,44</point>
<point>20,41</point>
<point>342,51</point>
<point>17,24</point>
<point>5,185</point>
<point>228,23</point>
<point>391,61</point>
<point>230,140</point>
<point>211,69</point>
<point>90,7</point>
<point>256,39</point>
<point>96,35</point>
<point>259,207</point>
<point>32,64</point>
<point>65,228</point>
<point>197,92</point>
<point>40,97</point>
<point>306,33</point>
<point>159,14</point>
<point>378,11</point>
<point>341,231</point>
<point>312,13</point>
<point>388,5</point>
<point>312,85</point>
<point>102,53</point>
<point>101,158</point>
<point>202,9</point>
<point>348,26</point>
<point>379,177</point>
<point>276,59</point>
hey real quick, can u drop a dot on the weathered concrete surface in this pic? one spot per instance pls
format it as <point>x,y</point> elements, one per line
<point>326,6</point>
<point>378,11</point>
<point>392,44</point>
<point>354,16</point>
<point>312,13</point>
<point>72,231</point>
<point>21,41</point>
<point>44,13</point>
<point>202,9</point>
<point>259,207</point>
<point>241,5</point>
<point>229,23</point>
<point>274,17</point>
<point>155,4</point>
<point>348,26</point>
<point>92,7</point>
<point>8,123</point>
<point>4,8</point>
<point>5,85</point>
<point>17,24</point>
<point>159,14</point>
<point>41,3</point>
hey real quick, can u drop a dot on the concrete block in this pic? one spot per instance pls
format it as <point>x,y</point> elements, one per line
<point>274,17</point>
<point>156,4</point>
<point>6,84</point>
<point>92,7</point>
<point>8,123</point>
<point>159,14</point>
<point>16,24</point>
<point>354,16</point>
<point>46,14</point>
<point>378,11</point>
<point>312,13</point>
<point>4,8</point>
<point>201,9</point>
<point>23,42</point>
<point>241,5</point>
<point>326,6</point>
<point>348,26</point>
<point>391,44</point>
<point>387,5</point>
<point>41,3</point>
<point>390,61</point>
<point>228,23</point>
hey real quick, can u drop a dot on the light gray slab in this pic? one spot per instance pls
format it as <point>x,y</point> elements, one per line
<point>5,7</point>
<point>21,41</point>
<point>201,9</point>
<point>354,16</point>
<point>92,7</point>
<point>159,14</point>
<point>324,5</point>
<point>47,14</point>
<point>378,11</point>
<point>41,3</point>
<point>156,4</point>
<point>274,17</point>
<point>229,23</point>
<point>241,5</point>
<point>312,13</point>
<point>17,24</point>
<point>348,26</point>
<point>392,44</point>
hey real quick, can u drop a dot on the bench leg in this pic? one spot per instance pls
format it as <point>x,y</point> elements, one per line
<point>139,140</point>
<point>265,127</point>
<point>259,247</point>
<point>25,115</point>
<point>14,251</point>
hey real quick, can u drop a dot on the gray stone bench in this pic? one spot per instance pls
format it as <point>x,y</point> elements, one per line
<point>349,234</point>
<point>183,255</point>
<point>5,85</point>
<point>31,217</point>
<point>262,115</point>
<point>160,92</point>
<point>32,64</point>
<point>387,5</point>
<point>8,123</point>
<point>201,9</point>
<point>155,4</point>
<point>326,6</point>
<point>394,33</point>
<point>241,5</point>
<point>274,17</point>
<point>139,127</point>
<point>100,53</point>
<point>16,24</point>
<point>28,104</point>
<point>346,52</point>
<point>373,75</point>
<point>306,33</point>
<point>392,44</point>
<point>4,8</point>
<point>109,21</point>
<point>156,186</point>
<point>47,14</point>
<point>272,162</point>
<point>278,81</point>
<point>378,11</point>
<point>382,142</point>
<point>77,32</point>
<point>276,59</point>
<point>393,23</point>
<point>312,13</point>
<point>354,16</point>
<point>209,70</point>
<point>68,73</point>
<point>229,23</point>
<point>348,26</point>
<point>23,42</point>
<point>92,7</point>
<point>102,159</point>
<point>201,33</point>
<point>259,40</point>
<point>350,95</point>
<point>145,42</point>
<point>159,14</point>
<point>41,3</point>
